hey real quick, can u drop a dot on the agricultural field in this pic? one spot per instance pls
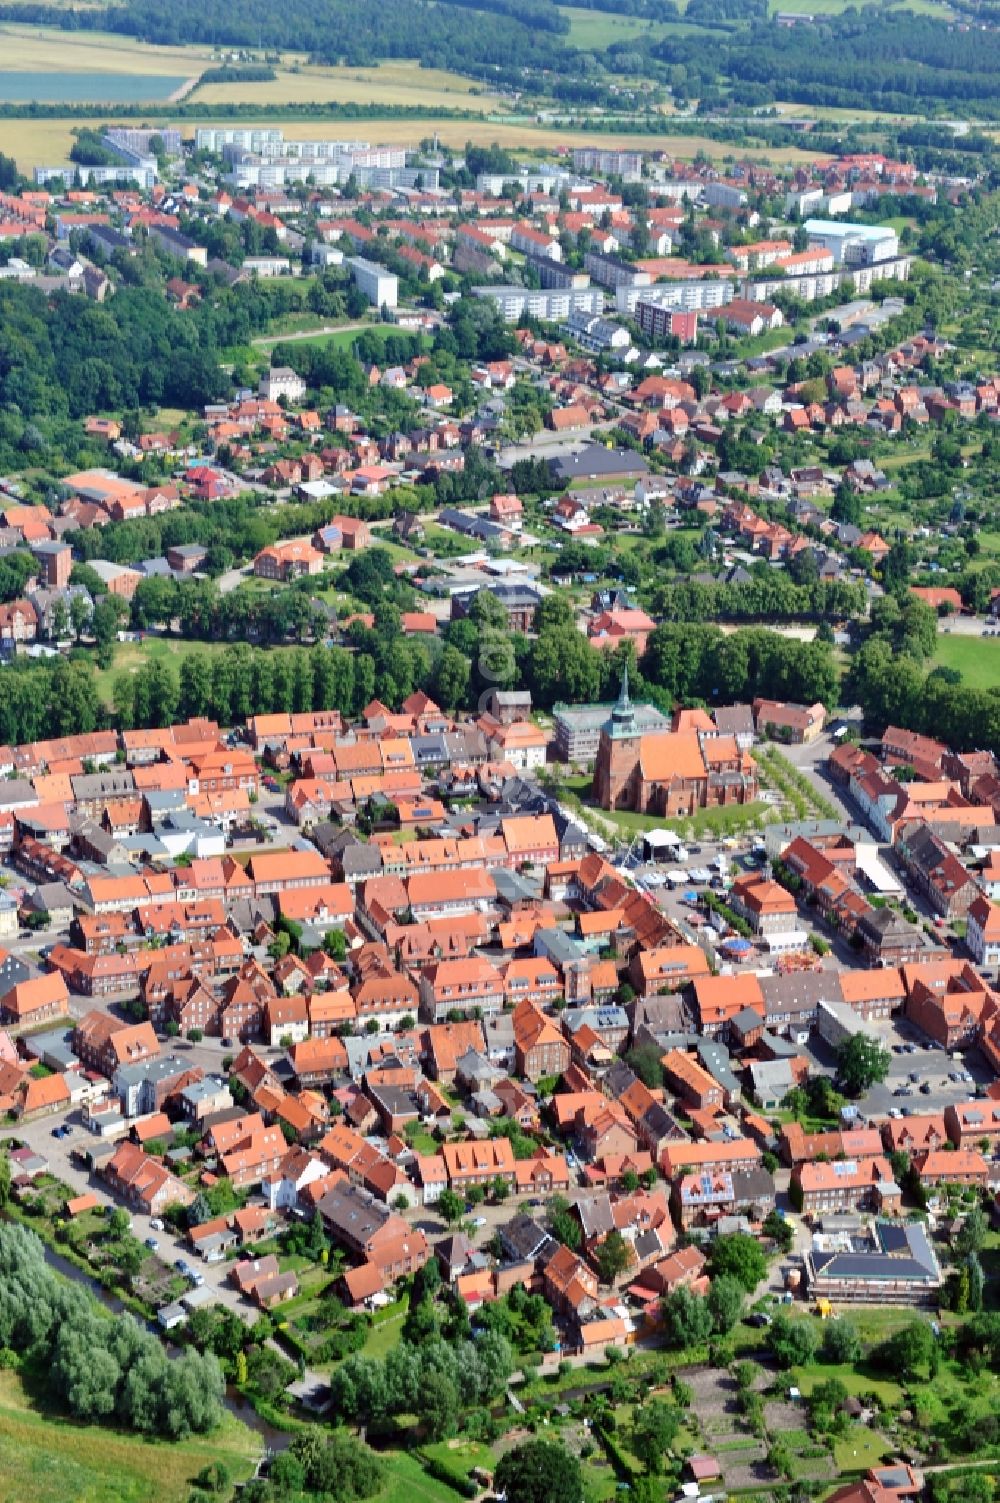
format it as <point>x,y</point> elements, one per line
<point>39,49</point>
<point>44,1459</point>
<point>837,7</point>
<point>390,83</point>
<point>35,142</point>
<point>92,68</point>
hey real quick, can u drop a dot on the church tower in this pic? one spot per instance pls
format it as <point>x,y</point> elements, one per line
<point>617,753</point>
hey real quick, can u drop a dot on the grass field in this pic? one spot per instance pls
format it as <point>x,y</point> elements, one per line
<point>408,1483</point>
<point>859,1450</point>
<point>976,660</point>
<point>48,1460</point>
<point>590,29</point>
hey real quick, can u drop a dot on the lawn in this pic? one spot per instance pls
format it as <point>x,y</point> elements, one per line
<point>385,1333</point>
<point>461,1456</point>
<point>408,1482</point>
<point>131,656</point>
<point>856,1383</point>
<point>703,822</point>
<point>859,1449</point>
<point>45,1459</point>
<point>978,661</point>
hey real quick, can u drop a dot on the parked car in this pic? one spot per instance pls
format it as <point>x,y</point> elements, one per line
<point>156,1224</point>
<point>152,1244</point>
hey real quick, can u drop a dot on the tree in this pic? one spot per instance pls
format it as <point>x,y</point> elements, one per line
<point>907,1352</point>
<point>119,1223</point>
<point>613,1256</point>
<point>826,1404</point>
<point>846,505</point>
<point>451,1206</point>
<point>337,1464</point>
<point>861,1063</point>
<point>725,1301</point>
<point>539,1471</point>
<point>740,1256</point>
<point>562,1223</point>
<point>790,1342</point>
<point>645,1060</point>
<point>687,1320</point>
<point>779,1229</point>
<point>841,1343</point>
<point>438,1405</point>
<point>450,680</point>
<point>971,1234</point>
<point>654,1432</point>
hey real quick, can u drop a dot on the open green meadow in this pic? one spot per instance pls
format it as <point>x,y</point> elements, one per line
<point>976,659</point>
<point>45,1459</point>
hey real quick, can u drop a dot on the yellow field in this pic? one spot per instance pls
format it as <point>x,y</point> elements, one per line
<point>40,49</point>
<point>33,142</point>
<point>527,137</point>
<point>394,83</point>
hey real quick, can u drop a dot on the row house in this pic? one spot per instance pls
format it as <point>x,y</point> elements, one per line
<point>460,985</point>
<point>540,1048</point>
<point>845,1185</point>
<point>479,1163</point>
<point>962,1166</point>
<point>974,1124</point>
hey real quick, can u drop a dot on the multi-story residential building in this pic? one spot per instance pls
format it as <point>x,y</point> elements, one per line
<point>379,285</point>
<point>460,986</point>
<point>845,1185</point>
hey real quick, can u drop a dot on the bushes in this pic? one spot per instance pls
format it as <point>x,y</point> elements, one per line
<point>437,1469</point>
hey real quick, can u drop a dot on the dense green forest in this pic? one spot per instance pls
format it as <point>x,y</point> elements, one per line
<point>869,57</point>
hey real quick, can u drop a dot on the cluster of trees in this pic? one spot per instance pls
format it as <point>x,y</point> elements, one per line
<point>65,355</point>
<point>700,662</point>
<point>737,1264</point>
<point>496,32</point>
<point>329,1464</point>
<point>242,615</point>
<point>895,689</point>
<point>525,1320</point>
<point>100,1368</point>
<point>772,595</point>
<point>434,1380</point>
<point>890,62</point>
<point>243,681</point>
